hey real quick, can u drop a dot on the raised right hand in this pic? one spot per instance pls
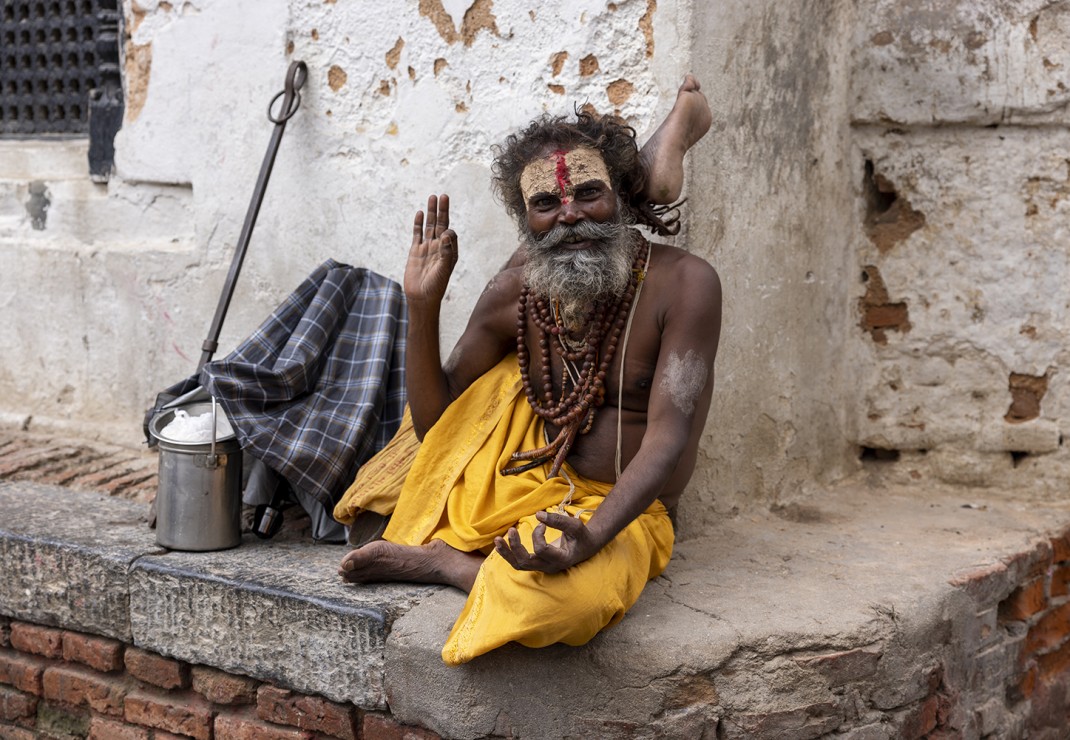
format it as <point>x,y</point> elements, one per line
<point>433,254</point>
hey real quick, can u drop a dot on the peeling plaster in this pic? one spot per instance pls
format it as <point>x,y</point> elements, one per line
<point>557,62</point>
<point>646,25</point>
<point>394,55</point>
<point>890,218</point>
<point>336,78</point>
<point>879,314</point>
<point>1027,391</point>
<point>478,17</point>
<point>136,74</point>
<point>619,91</point>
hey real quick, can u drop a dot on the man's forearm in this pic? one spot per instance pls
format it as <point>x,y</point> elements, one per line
<point>425,382</point>
<point>639,485</point>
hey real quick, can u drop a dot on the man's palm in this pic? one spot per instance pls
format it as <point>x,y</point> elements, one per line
<point>433,254</point>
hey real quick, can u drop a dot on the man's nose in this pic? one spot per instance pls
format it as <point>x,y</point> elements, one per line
<point>570,213</point>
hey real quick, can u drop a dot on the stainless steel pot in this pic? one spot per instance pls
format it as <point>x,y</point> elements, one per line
<point>198,502</point>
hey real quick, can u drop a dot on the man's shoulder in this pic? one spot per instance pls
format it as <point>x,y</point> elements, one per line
<point>505,284</point>
<point>674,266</point>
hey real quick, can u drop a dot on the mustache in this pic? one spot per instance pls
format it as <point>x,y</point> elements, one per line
<point>580,231</point>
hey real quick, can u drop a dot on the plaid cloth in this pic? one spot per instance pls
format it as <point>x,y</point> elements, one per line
<point>320,386</point>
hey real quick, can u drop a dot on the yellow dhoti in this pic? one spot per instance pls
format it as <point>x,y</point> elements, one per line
<point>455,492</point>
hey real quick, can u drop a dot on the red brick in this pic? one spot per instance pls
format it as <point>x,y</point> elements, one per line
<point>1061,547</point>
<point>243,725</point>
<point>1025,601</point>
<point>32,638</point>
<point>101,653</point>
<point>61,722</point>
<point>16,705</point>
<point>1027,684</point>
<point>79,687</point>
<point>102,728</point>
<point>380,727</point>
<point>922,720</point>
<point>9,732</point>
<point>22,671</point>
<point>285,707</point>
<point>161,735</point>
<point>1055,664</point>
<point>1060,581</point>
<point>156,669</point>
<point>183,712</point>
<point>1049,631</point>
<point>223,688</point>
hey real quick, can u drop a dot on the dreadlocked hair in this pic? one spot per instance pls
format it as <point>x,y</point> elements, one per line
<point>610,136</point>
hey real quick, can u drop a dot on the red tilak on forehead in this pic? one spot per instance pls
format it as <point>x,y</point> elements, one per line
<point>563,181</point>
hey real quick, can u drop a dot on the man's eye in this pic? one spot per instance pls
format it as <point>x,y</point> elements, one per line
<point>588,192</point>
<point>545,202</point>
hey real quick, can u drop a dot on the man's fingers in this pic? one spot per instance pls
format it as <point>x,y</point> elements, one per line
<point>564,522</point>
<point>513,538</point>
<point>509,554</point>
<point>448,244</point>
<point>418,228</point>
<point>503,549</point>
<point>442,217</point>
<point>538,539</point>
<point>432,218</point>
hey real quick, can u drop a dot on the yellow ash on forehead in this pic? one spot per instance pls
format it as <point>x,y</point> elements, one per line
<point>550,174</point>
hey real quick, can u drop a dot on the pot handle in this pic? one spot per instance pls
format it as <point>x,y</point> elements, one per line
<point>212,459</point>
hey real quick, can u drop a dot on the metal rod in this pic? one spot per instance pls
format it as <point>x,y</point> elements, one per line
<point>291,101</point>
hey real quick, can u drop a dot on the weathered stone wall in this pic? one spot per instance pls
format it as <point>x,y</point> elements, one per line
<point>771,201</point>
<point>960,259</point>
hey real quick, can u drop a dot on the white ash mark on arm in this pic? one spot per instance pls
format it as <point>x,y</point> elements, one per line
<point>684,379</point>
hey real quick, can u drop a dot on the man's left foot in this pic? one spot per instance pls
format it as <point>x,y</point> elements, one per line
<point>663,153</point>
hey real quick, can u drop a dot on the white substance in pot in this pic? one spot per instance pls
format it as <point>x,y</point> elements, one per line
<point>197,429</point>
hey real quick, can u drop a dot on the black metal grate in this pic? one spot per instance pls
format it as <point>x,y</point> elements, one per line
<point>49,62</point>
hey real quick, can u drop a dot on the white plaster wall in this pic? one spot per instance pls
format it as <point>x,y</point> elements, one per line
<point>110,302</point>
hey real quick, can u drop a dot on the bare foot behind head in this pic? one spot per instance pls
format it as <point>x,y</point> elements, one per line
<point>663,154</point>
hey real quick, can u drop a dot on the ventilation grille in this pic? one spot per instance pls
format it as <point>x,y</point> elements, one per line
<point>49,62</point>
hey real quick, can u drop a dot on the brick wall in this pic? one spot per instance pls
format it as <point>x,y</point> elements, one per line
<point>1018,667</point>
<point>57,684</point>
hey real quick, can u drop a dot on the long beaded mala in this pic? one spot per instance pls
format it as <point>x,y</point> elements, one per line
<point>573,414</point>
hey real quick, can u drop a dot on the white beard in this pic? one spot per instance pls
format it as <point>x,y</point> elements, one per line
<point>578,279</point>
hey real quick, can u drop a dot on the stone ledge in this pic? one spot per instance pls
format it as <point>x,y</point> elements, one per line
<point>865,614</point>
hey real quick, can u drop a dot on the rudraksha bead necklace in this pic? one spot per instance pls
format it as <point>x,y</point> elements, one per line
<point>573,414</point>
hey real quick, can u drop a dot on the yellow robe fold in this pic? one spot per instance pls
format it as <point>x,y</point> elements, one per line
<point>455,492</point>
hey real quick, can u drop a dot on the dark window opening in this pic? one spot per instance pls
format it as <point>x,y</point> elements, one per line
<point>59,73</point>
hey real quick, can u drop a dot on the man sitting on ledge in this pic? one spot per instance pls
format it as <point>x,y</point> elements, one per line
<point>566,421</point>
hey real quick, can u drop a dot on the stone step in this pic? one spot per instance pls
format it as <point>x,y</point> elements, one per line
<point>865,613</point>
